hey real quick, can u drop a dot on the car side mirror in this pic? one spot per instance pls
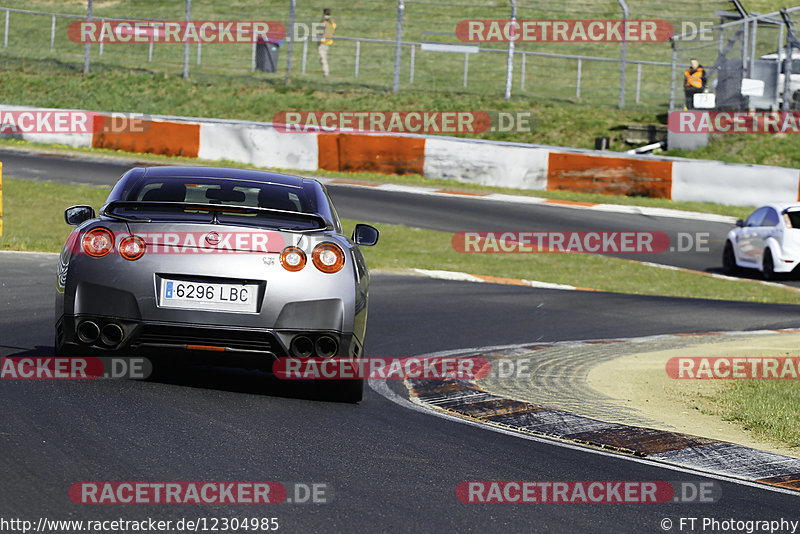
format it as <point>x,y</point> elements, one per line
<point>740,223</point>
<point>365,235</point>
<point>76,215</point>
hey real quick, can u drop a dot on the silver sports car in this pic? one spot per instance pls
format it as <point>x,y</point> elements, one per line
<point>189,259</point>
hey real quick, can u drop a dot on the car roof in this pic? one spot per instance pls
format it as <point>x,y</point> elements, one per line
<point>219,172</point>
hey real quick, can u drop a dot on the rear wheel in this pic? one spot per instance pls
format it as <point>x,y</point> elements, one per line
<point>768,267</point>
<point>729,259</point>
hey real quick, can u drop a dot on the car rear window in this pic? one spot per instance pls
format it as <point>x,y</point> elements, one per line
<point>794,218</point>
<point>285,198</point>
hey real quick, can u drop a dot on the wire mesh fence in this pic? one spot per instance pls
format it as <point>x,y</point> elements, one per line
<point>744,58</point>
<point>363,53</point>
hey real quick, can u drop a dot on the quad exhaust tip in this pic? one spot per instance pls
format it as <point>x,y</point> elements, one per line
<point>88,332</point>
<point>111,335</point>
<point>326,347</point>
<point>302,347</point>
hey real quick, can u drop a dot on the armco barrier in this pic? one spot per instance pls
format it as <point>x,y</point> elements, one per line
<point>486,163</point>
<point>371,153</point>
<point>258,144</point>
<point>513,165</point>
<point>609,175</point>
<point>158,137</point>
<point>727,183</point>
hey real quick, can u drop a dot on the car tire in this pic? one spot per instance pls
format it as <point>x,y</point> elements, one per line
<point>729,260</point>
<point>351,391</point>
<point>768,266</point>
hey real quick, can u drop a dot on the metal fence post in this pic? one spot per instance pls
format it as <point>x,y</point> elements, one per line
<point>5,33</point>
<point>199,52</point>
<point>186,44</point>
<point>411,70</point>
<point>753,46</point>
<point>150,51</point>
<point>53,33</point>
<point>292,6</point>
<point>624,54</point>
<point>253,58</point>
<point>358,56</point>
<point>780,44</point>
<point>102,36</point>
<point>466,68</point>
<point>305,53</point>
<point>510,60</point>
<point>86,47</point>
<point>401,7</point>
<point>672,76</point>
<point>522,72</point>
<point>787,61</point>
<point>745,39</point>
<point>638,81</point>
<point>578,83</point>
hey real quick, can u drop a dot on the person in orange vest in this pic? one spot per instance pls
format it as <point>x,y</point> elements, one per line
<point>326,41</point>
<point>694,81</point>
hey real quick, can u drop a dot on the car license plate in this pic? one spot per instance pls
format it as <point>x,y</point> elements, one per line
<point>208,296</point>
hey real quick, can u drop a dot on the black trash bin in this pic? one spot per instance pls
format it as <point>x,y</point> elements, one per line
<point>267,56</point>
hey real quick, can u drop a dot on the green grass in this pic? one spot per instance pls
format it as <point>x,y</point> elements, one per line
<point>33,213</point>
<point>33,221</point>
<point>768,408</point>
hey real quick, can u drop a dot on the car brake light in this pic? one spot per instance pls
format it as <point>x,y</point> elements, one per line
<point>293,259</point>
<point>97,242</point>
<point>328,258</point>
<point>132,247</point>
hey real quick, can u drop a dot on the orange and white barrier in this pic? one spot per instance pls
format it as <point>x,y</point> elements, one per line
<point>495,163</point>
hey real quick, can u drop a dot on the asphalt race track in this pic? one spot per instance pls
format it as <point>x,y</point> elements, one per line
<point>386,468</point>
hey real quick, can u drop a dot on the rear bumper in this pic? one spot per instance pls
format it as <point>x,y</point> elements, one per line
<point>98,334</point>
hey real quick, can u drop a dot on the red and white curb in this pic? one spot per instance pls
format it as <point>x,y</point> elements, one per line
<point>465,400</point>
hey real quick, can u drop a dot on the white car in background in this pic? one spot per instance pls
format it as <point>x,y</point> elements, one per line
<point>794,79</point>
<point>769,240</point>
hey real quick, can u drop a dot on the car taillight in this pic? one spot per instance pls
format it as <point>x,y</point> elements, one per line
<point>328,258</point>
<point>293,259</point>
<point>132,247</point>
<point>97,242</point>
